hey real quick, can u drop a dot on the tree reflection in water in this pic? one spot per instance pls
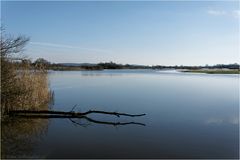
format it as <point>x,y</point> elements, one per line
<point>19,137</point>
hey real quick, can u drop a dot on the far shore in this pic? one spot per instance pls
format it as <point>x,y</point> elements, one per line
<point>214,71</point>
<point>207,71</point>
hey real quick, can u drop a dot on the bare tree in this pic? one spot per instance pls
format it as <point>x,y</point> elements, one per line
<point>10,45</point>
<point>10,48</point>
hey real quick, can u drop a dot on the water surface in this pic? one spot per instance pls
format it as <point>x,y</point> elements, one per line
<point>188,115</point>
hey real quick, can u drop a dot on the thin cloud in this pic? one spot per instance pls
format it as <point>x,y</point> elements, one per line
<point>236,13</point>
<point>68,47</point>
<point>216,12</point>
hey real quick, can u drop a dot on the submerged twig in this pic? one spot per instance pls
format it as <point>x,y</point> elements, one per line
<point>73,107</point>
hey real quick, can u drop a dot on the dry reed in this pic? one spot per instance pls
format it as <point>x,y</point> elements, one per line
<point>25,88</point>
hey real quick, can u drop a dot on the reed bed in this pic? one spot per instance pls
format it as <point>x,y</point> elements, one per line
<point>24,87</point>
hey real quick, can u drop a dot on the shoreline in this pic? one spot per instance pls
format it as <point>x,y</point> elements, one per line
<point>207,71</point>
<point>213,71</point>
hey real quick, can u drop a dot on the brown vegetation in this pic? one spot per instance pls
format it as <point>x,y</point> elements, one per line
<point>22,86</point>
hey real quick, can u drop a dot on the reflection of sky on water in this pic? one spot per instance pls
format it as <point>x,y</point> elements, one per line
<point>232,120</point>
<point>188,115</point>
<point>194,110</point>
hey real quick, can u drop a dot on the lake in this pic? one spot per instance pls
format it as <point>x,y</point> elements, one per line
<point>188,115</point>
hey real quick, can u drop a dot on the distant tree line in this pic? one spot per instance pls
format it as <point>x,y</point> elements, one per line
<point>218,66</point>
<point>42,63</point>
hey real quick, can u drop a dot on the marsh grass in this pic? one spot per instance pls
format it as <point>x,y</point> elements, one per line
<point>24,87</point>
<point>35,93</point>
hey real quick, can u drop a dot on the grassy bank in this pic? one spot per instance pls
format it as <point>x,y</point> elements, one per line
<point>213,71</point>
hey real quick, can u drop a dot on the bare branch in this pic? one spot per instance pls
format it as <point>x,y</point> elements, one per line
<point>113,113</point>
<point>73,113</point>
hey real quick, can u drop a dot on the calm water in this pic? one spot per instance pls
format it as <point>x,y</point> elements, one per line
<point>188,116</point>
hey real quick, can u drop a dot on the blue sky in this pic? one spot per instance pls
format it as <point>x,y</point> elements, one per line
<point>159,32</point>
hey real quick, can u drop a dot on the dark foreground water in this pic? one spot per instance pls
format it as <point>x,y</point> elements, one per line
<point>188,116</point>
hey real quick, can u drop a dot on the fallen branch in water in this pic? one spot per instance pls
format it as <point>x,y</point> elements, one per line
<point>81,115</point>
<point>14,112</point>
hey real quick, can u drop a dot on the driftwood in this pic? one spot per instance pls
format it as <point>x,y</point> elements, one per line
<point>70,115</point>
